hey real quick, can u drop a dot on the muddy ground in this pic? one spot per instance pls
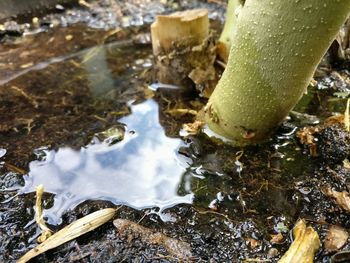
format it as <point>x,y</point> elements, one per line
<point>48,100</point>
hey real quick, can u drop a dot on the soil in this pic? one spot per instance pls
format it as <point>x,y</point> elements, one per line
<point>242,197</point>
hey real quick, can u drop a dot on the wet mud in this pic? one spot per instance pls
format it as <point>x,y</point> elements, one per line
<point>85,90</point>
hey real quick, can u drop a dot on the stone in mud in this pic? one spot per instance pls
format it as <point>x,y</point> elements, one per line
<point>176,248</point>
<point>10,28</point>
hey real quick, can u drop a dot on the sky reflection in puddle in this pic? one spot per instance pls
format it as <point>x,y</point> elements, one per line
<point>140,171</point>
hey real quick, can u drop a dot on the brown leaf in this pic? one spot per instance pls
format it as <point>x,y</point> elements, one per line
<point>306,137</point>
<point>253,243</point>
<point>336,238</point>
<point>276,239</point>
<point>341,198</point>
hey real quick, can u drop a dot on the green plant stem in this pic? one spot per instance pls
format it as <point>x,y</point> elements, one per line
<point>276,48</point>
<point>227,32</point>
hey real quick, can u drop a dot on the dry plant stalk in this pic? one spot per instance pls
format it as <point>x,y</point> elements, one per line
<point>347,117</point>
<point>39,218</point>
<point>72,231</point>
<point>184,50</point>
<point>187,28</point>
<point>304,246</point>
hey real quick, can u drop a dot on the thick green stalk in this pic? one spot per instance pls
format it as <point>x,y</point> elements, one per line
<point>226,36</point>
<point>276,48</point>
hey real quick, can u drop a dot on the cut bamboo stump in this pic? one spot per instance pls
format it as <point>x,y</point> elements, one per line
<point>184,49</point>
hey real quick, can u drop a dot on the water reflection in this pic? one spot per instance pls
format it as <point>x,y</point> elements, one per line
<point>99,75</point>
<point>140,171</point>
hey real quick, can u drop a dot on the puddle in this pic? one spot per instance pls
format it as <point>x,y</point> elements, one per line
<point>141,171</point>
<point>2,152</point>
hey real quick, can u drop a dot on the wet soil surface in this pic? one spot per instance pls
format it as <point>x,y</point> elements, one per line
<point>62,85</point>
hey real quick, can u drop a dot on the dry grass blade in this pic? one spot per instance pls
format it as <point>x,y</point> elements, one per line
<point>347,117</point>
<point>304,246</point>
<point>74,230</point>
<point>39,218</point>
<point>181,112</point>
<point>93,52</point>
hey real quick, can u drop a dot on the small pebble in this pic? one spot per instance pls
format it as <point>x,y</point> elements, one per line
<point>273,252</point>
<point>69,37</point>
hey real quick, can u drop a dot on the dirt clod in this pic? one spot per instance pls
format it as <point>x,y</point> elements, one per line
<point>333,143</point>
